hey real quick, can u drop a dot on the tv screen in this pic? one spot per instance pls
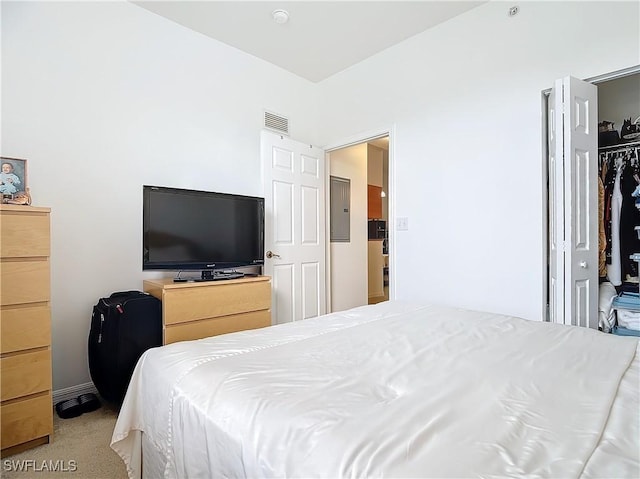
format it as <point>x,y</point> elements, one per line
<point>200,230</point>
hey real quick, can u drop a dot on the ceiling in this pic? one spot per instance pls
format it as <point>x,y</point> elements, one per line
<point>320,39</point>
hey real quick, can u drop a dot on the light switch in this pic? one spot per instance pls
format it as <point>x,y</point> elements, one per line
<point>402,223</point>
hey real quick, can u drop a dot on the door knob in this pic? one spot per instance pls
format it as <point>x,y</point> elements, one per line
<point>270,255</point>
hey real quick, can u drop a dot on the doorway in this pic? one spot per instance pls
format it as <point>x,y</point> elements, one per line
<point>359,267</point>
<point>378,220</point>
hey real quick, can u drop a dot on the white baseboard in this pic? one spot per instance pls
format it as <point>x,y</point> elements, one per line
<point>73,392</point>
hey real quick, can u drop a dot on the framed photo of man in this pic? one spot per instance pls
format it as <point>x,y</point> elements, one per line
<point>13,176</point>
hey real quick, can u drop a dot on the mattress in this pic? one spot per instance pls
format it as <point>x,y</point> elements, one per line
<point>395,389</point>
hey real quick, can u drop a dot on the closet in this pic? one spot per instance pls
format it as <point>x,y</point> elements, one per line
<point>619,204</point>
<point>593,132</point>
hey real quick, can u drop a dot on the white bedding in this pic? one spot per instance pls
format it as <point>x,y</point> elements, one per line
<point>391,390</point>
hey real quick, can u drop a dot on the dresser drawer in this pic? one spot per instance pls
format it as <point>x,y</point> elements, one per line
<point>26,420</point>
<point>209,301</point>
<point>24,234</point>
<point>24,282</point>
<point>215,326</point>
<point>24,328</point>
<point>25,373</point>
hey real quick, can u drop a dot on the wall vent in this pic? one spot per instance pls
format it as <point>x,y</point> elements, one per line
<point>276,123</point>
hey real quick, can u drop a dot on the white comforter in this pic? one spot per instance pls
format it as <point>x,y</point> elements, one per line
<point>390,390</point>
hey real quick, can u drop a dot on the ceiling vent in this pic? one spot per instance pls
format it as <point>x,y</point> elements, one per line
<point>276,123</point>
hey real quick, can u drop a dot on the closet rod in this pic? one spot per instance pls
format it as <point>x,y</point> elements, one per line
<point>620,146</point>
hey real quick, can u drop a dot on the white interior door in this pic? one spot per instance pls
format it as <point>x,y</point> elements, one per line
<point>575,295</point>
<point>294,191</point>
<point>556,216</point>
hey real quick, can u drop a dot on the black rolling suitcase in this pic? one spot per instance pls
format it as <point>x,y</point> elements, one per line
<point>123,326</point>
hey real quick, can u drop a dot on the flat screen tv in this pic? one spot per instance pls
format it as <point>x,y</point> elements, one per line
<point>200,230</point>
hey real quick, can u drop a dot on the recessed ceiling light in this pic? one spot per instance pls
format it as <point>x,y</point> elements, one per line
<point>280,16</point>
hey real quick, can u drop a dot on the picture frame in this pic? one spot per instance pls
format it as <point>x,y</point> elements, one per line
<point>13,177</point>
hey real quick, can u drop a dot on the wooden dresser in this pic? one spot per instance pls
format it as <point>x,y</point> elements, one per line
<point>201,309</point>
<point>25,328</point>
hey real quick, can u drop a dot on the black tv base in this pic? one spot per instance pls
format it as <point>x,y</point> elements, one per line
<point>211,276</point>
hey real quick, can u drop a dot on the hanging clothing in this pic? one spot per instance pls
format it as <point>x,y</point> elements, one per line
<point>619,214</point>
<point>602,237</point>
<point>609,176</point>
<point>629,219</point>
<point>614,269</point>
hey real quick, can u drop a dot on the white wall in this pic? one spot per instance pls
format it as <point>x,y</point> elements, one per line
<point>103,97</point>
<point>374,165</point>
<point>349,260</point>
<point>464,100</point>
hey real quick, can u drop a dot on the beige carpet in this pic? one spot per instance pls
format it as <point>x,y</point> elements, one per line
<point>80,449</point>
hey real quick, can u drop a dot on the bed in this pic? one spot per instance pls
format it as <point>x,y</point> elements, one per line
<point>397,389</point>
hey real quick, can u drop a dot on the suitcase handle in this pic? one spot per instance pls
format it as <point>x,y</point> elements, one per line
<point>126,293</point>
